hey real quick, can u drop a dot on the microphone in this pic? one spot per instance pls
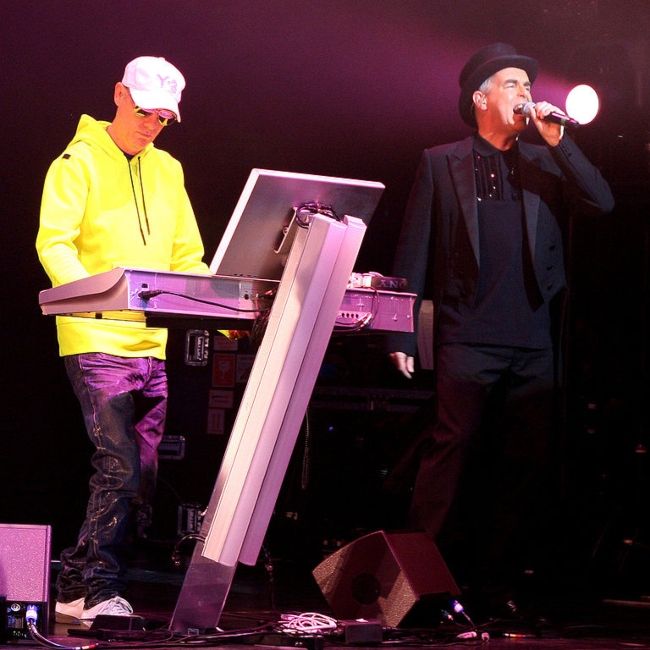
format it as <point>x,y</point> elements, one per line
<point>554,116</point>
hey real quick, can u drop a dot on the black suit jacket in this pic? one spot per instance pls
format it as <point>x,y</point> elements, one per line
<point>438,249</point>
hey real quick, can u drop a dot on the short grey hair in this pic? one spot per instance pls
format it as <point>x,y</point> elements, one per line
<point>485,86</point>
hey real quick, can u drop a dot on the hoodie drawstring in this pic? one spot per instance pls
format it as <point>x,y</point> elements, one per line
<point>135,200</point>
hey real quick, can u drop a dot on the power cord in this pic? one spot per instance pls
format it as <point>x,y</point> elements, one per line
<point>474,632</point>
<point>176,557</point>
<point>148,294</point>
<point>31,618</point>
<point>305,211</point>
<point>306,623</point>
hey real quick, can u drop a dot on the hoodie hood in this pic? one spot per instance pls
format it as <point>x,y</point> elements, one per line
<point>93,132</point>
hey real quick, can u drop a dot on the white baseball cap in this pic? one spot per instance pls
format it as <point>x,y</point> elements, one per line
<point>154,83</point>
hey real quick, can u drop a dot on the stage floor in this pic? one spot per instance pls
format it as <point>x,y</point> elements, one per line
<point>256,604</point>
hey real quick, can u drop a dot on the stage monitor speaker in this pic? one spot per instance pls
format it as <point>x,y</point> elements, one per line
<point>384,575</point>
<point>25,575</point>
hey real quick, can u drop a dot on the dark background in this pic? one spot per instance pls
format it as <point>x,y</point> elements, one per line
<point>344,88</point>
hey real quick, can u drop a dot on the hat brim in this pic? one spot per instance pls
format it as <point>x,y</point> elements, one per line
<point>485,71</point>
<point>152,99</point>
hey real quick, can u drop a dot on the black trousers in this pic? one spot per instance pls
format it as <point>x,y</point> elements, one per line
<point>483,476</point>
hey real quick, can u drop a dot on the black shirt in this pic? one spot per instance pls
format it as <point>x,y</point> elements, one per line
<point>507,309</point>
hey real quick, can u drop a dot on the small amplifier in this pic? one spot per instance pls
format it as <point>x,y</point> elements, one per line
<point>24,576</point>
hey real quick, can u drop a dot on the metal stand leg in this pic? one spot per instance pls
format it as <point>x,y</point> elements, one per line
<point>268,421</point>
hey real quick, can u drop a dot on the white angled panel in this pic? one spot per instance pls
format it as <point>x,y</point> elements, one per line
<point>270,387</point>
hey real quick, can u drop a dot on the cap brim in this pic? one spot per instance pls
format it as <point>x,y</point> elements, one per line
<point>151,99</point>
<point>485,71</point>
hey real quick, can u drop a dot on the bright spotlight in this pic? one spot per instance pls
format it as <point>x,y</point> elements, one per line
<point>582,103</point>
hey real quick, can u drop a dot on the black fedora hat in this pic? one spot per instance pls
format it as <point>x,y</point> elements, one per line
<point>484,64</point>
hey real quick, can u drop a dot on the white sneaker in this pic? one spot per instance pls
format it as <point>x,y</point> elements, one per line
<point>115,606</point>
<point>69,612</point>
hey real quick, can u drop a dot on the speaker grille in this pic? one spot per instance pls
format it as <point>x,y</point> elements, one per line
<point>25,562</point>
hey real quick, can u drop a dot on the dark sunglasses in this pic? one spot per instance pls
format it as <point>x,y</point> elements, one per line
<point>164,116</point>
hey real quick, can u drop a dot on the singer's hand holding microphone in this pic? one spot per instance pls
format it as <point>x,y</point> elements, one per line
<point>554,115</point>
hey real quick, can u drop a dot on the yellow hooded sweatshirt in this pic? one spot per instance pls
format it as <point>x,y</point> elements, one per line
<point>101,210</point>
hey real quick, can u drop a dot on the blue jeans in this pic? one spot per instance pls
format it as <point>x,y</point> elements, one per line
<point>123,402</point>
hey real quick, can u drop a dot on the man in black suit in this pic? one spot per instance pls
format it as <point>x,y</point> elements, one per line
<point>483,236</point>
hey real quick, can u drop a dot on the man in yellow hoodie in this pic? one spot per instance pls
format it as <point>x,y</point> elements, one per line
<point>113,199</point>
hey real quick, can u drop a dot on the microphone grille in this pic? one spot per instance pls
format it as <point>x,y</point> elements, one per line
<point>524,108</point>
